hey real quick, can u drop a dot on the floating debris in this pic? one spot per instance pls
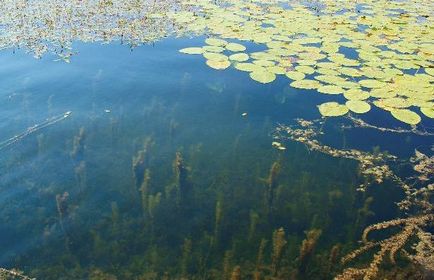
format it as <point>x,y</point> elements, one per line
<point>373,166</point>
<point>278,145</point>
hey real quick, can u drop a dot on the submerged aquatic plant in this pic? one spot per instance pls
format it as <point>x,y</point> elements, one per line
<point>7,274</point>
<point>279,243</point>
<point>373,166</point>
<point>412,226</point>
<point>376,165</point>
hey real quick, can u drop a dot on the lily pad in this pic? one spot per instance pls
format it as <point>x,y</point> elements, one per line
<point>371,83</point>
<point>263,76</point>
<point>329,89</point>
<point>240,57</point>
<point>332,109</point>
<point>215,49</point>
<point>428,111</point>
<point>356,94</point>
<point>216,42</point>
<point>247,67</point>
<point>358,106</point>
<point>306,84</point>
<point>235,47</point>
<point>218,64</point>
<point>295,75</point>
<point>406,116</point>
<point>215,56</point>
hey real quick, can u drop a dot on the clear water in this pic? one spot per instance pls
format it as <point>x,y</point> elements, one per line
<point>120,99</point>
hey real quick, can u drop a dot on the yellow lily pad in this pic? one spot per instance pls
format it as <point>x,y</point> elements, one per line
<point>371,83</point>
<point>214,49</point>
<point>263,76</point>
<point>239,57</point>
<point>329,89</point>
<point>218,64</point>
<point>295,75</point>
<point>428,111</point>
<point>306,84</point>
<point>214,56</point>
<point>247,67</point>
<point>332,109</point>
<point>235,47</point>
<point>356,94</point>
<point>216,42</point>
<point>406,116</point>
<point>305,69</point>
<point>358,106</point>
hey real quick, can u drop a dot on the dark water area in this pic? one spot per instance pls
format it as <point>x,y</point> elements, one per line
<point>145,163</point>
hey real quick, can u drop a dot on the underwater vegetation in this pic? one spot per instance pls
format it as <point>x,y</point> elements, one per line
<point>160,194</point>
<point>375,168</point>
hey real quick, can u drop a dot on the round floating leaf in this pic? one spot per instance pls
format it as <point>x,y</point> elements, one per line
<point>356,94</point>
<point>247,67</point>
<point>395,102</point>
<point>306,84</point>
<point>263,76</point>
<point>192,50</point>
<point>305,69</point>
<point>214,56</point>
<point>295,75</point>
<point>351,72</point>
<point>330,79</point>
<point>328,89</point>
<point>428,111</point>
<point>235,47</point>
<point>332,109</point>
<point>240,57</point>
<point>429,71</point>
<point>406,116</point>
<point>218,64</point>
<point>382,93</point>
<point>370,83</point>
<point>216,42</point>
<point>264,63</point>
<point>358,106</point>
<point>215,49</point>
<point>278,70</point>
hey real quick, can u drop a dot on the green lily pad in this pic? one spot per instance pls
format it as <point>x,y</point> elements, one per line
<point>356,94</point>
<point>235,47</point>
<point>247,67</point>
<point>214,56</point>
<point>216,42</point>
<point>295,75</point>
<point>358,106</point>
<point>329,89</point>
<point>213,49</point>
<point>428,111</point>
<point>332,109</point>
<point>263,76</point>
<point>406,116</point>
<point>218,64</point>
<point>306,84</point>
<point>239,57</point>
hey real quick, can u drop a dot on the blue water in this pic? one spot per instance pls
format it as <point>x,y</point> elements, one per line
<point>120,97</point>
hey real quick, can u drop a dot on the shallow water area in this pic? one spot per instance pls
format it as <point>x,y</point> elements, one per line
<point>136,150</point>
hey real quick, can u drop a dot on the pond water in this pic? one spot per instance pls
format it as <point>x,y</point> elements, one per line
<point>144,162</point>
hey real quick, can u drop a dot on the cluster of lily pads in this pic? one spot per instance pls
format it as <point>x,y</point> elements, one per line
<point>391,66</point>
<point>370,52</point>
